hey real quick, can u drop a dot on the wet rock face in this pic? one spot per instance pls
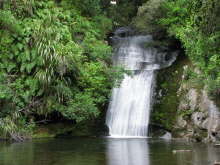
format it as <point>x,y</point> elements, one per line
<point>194,115</point>
<point>214,127</point>
<point>200,120</point>
<point>181,123</point>
<point>121,33</point>
<point>200,117</point>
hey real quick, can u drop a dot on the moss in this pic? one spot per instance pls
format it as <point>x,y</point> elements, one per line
<point>82,129</point>
<point>176,133</point>
<point>168,83</point>
<point>43,133</point>
<point>52,130</point>
<point>65,129</point>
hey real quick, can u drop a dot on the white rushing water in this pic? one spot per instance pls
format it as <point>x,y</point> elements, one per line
<point>129,110</point>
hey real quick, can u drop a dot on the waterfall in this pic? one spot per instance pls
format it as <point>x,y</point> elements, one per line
<point>129,110</point>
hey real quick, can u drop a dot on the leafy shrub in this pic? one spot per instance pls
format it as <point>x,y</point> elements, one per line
<point>148,15</point>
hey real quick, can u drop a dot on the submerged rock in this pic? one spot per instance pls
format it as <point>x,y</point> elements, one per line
<point>167,136</point>
<point>179,151</point>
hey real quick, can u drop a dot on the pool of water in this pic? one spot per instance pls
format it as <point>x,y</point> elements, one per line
<point>107,151</point>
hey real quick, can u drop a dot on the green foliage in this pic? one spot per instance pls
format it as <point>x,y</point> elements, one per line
<point>52,60</point>
<point>186,114</point>
<point>196,25</point>
<point>148,16</point>
<point>9,22</point>
<point>214,89</point>
<point>81,108</point>
<point>16,127</point>
<point>88,7</point>
<point>123,12</point>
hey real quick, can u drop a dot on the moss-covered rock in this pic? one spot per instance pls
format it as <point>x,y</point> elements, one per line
<point>69,129</point>
<point>52,130</point>
<point>183,105</point>
<point>167,100</point>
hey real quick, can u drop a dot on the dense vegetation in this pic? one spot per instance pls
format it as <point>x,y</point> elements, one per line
<point>54,61</point>
<point>196,23</point>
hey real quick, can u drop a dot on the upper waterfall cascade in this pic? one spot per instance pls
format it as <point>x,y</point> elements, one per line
<point>129,110</point>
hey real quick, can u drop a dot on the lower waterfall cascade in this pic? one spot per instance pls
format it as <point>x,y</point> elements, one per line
<point>130,105</point>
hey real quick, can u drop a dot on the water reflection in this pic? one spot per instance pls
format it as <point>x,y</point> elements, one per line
<point>205,154</point>
<point>16,151</point>
<point>127,152</point>
<point>96,151</point>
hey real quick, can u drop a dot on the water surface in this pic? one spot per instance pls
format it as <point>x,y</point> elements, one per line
<point>106,151</point>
